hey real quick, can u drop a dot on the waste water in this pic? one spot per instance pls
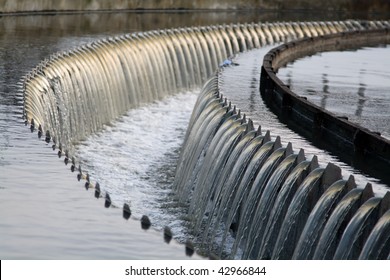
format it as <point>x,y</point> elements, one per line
<point>122,68</point>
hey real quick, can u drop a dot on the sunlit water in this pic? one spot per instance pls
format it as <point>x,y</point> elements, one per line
<point>241,85</point>
<point>44,211</point>
<point>358,88</point>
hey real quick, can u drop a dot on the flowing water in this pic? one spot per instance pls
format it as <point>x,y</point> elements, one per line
<point>38,204</point>
<point>244,95</point>
<point>255,216</point>
<point>39,196</point>
<point>138,165</point>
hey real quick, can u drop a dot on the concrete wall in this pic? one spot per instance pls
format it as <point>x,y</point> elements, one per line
<point>352,143</point>
<point>10,6</point>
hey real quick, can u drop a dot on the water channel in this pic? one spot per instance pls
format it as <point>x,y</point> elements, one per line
<point>40,197</point>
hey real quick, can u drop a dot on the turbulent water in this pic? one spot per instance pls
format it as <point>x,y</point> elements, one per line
<point>226,171</point>
<point>44,212</point>
<point>132,157</point>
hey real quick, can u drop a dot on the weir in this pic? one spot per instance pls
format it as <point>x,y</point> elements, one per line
<point>232,176</point>
<point>355,144</point>
<point>102,80</point>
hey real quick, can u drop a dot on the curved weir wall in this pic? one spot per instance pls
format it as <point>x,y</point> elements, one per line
<point>226,165</point>
<point>102,80</point>
<point>355,144</point>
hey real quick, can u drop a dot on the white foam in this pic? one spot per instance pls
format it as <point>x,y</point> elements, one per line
<point>134,158</point>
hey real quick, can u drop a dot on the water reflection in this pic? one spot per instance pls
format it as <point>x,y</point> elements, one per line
<point>29,226</point>
<point>235,90</point>
<point>289,79</point>
<point>361,99</point>
<point>349,83</point>
<point>325,89</point>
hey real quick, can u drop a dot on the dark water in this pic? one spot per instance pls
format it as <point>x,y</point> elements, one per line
<point>44,212</point>
<point>358,88</point>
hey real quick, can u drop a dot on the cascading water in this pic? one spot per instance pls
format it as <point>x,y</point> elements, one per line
<point>318,217</point>
<point>276,206</point>
<point>102,80</point>
<point>229,175</point>
<point>273,202</point>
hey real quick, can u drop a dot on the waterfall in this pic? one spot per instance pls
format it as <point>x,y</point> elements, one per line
<point>234,179</point>
<point>319,216</point>
<point>72,94</point>
<point>273,202</point>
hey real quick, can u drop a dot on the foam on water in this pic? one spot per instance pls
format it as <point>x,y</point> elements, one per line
<point>133,159</point>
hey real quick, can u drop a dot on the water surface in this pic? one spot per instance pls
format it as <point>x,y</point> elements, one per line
<point>45,213</point>
<point>241,85</point>
<point>358,88</point>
